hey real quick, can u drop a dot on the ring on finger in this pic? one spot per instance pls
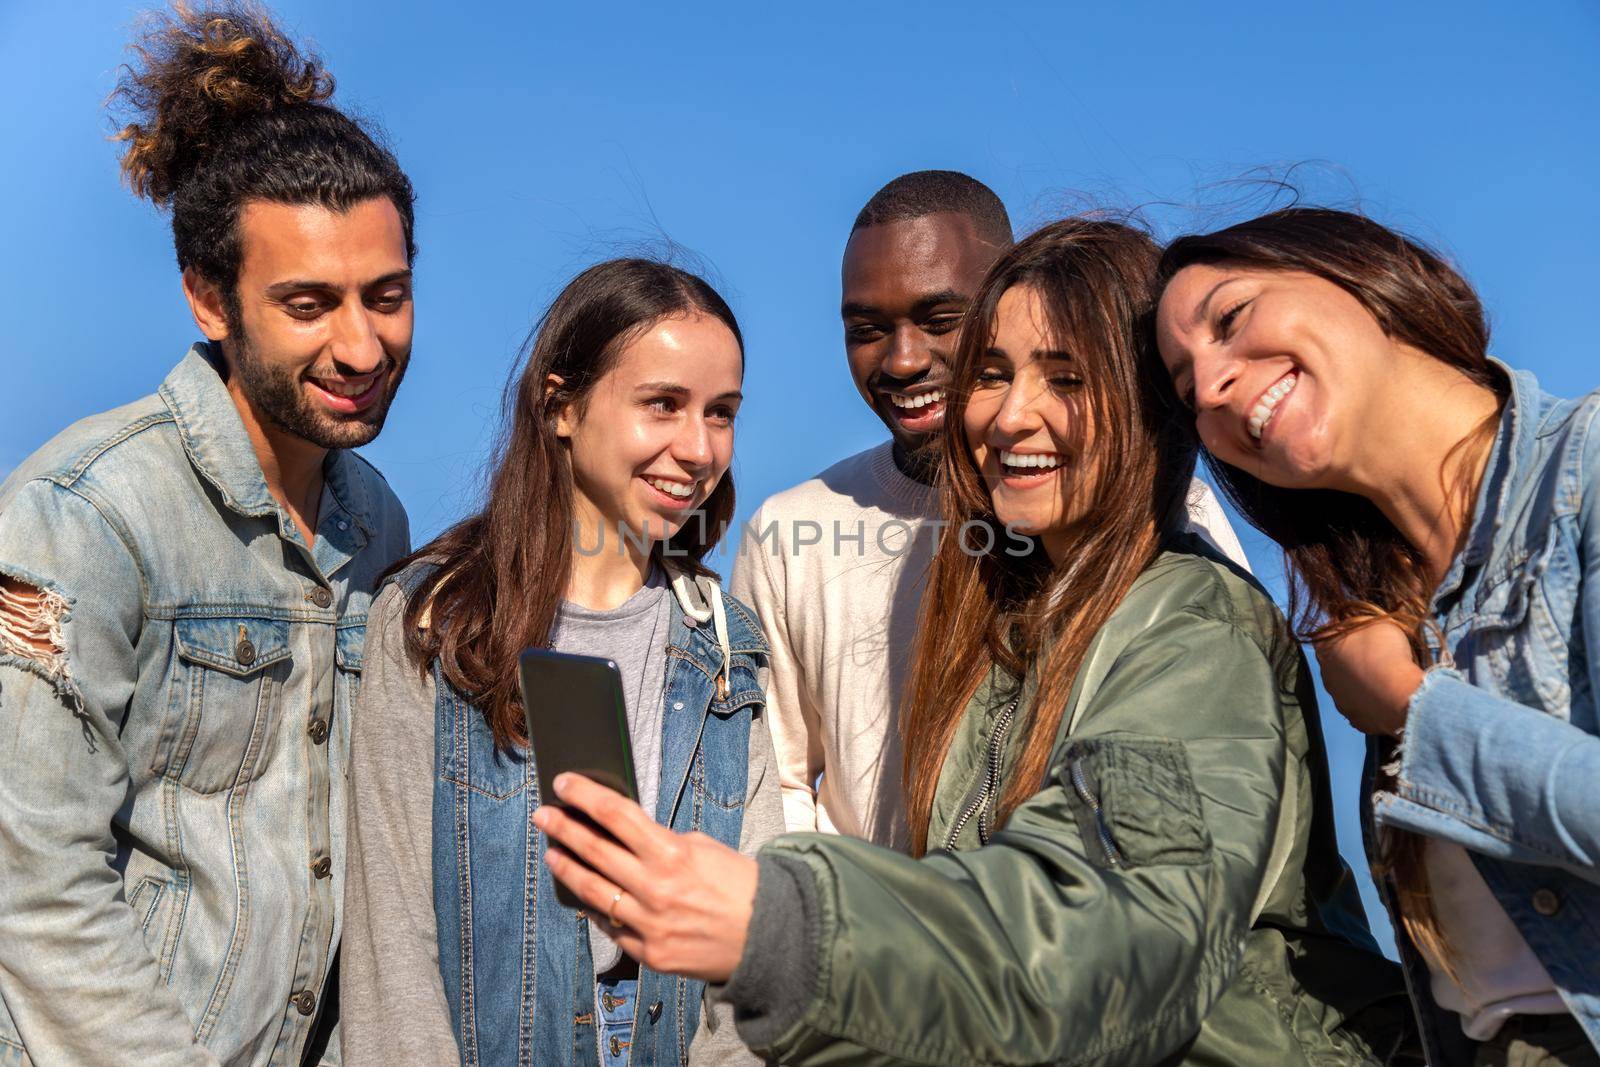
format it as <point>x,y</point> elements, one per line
<point>611,912</point>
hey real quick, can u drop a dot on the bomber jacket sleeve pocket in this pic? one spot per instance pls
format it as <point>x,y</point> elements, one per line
<point>1135,802</point>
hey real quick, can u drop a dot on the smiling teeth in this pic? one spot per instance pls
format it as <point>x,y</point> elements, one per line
<point>677,489</point>
<point>1039,460</point>
<point>911,403</point>
<point>345,389</point>
<point>1269,402</point>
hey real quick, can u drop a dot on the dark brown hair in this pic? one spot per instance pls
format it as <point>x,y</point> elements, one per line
<point>502,573</point>
<point>1347,564</point>
<point>1095,279</point>
<point>226,109</point>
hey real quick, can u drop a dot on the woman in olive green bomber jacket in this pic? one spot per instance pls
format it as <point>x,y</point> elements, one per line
<point>1115,779</point>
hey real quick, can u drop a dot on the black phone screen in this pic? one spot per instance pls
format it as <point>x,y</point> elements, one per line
<point>577,721</point>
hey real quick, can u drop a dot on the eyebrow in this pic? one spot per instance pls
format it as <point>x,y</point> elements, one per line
<point>674,389</point>
<point>943,296</point>
<point>300,284</point>
<point>1205,305</point>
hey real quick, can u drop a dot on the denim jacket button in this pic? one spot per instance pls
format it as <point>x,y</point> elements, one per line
<point>655,1011</point>
<point>318,731</point>
<point>244,652</point>
<point>322,868</point>
<point>1545,902</point>
<point>321,596</point>
<point>305,1002</point>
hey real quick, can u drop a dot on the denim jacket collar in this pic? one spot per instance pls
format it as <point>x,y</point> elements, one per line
<point>1515,449</point>
<point>215,439</point>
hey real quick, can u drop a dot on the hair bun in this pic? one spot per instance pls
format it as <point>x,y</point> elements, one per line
<point>198,73</point>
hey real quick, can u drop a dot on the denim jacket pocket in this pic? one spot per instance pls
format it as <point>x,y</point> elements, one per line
<point>468,758</point>
<point>145,898</point>
<point>738,701</point>
<point>720,786</point>
<point>225,686</point>
<point>1512,641</point>
<point>158,900</point>
<point>743,688</point>
<point>720,772</point>
<point>351,639</point>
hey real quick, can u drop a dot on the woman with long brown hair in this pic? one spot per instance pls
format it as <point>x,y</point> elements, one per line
<point>1440,516</point>
<point>610,490</point>
<point>1124,849</point>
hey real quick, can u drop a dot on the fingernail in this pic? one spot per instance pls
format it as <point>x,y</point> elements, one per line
<point>539,818</point>
<point>560,784</point>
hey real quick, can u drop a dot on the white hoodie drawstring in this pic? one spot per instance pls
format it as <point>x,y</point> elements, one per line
<point>703,605</point>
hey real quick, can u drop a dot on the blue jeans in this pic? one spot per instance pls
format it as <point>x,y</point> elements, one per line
<point>614,999</point>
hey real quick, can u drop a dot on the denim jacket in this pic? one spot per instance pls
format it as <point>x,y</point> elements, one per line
<point>1501,754</point>
<point>515,962</point>
<point>172,780</point>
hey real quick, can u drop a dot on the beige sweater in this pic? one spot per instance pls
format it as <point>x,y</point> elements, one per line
<point>834,569</point>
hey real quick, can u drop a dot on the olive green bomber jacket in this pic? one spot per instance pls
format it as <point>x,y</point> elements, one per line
<point>1173,894</point>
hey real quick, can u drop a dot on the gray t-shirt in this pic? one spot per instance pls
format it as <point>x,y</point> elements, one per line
<point>634,636</point>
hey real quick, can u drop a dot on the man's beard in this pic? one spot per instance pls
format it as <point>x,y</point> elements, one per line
<point>276,393</point>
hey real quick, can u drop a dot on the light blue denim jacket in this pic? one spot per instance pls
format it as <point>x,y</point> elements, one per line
<point>172,786</point>
<point>1501,754</point>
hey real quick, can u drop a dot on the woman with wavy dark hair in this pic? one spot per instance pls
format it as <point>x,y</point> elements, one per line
<point>611,488</point>
<point>1441,517</point>
<point>1124,847</point>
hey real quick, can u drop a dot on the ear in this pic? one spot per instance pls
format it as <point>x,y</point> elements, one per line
<point>566,414</point>
<point>206,304</point>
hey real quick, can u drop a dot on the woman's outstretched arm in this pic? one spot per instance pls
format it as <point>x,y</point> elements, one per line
<point>1055,941</point>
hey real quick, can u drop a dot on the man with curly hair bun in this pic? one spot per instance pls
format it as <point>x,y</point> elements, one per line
<point>184,587</point>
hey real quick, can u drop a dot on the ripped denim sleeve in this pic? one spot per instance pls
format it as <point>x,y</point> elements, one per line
<point>31,619</point>
<point>71,597</point>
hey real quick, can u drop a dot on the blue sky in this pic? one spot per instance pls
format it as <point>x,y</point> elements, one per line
<point>544,137</point>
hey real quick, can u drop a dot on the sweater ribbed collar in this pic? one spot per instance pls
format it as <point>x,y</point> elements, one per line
<point>903,491</point>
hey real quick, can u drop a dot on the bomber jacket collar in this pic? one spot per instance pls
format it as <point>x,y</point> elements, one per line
<point>216,442</point>
<point>1515,449</point>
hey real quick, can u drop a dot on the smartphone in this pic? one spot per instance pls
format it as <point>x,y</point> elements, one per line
<point>577,721</point>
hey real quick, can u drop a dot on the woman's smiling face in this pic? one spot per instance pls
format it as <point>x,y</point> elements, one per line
<point>1281,369</point>
<point>654,435</point>
<point>1027,423</point>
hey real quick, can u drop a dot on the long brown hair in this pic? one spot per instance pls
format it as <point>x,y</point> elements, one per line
<point>1347,563</point>
<point>1095,279</point>
<point>502,573</point>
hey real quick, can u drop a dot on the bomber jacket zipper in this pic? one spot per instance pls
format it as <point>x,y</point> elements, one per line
<point>991,779</point>
<point>1080,783</point>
